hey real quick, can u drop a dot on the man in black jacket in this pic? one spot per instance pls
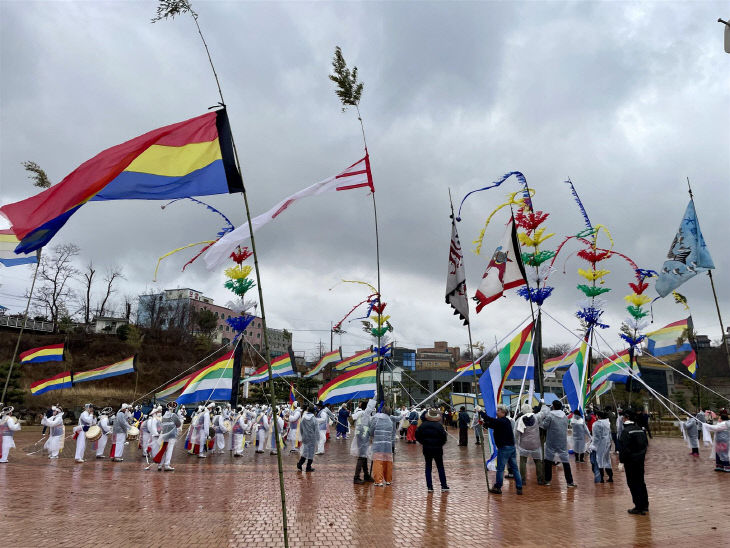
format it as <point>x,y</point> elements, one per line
<point>633,444</point>
<point>432,436</point>
<point>504,439</point>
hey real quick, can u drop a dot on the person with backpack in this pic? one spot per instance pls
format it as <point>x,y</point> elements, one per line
<point>634,443</point>
<point>432,436</point>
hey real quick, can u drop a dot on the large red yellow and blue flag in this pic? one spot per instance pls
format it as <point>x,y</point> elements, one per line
<point>357,384</point>
<point>190,158</point>
<point>50,353</point>
<point>57,382</point>
<point>669,339</point>
<point>119,368</point>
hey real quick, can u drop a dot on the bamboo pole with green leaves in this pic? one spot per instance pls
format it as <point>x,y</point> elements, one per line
<point>169,9</point>
<point>349,91</point>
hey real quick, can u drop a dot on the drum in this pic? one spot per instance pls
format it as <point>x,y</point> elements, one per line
<point>133,433</point>
<point>93,433</point>
<point>227,425</point>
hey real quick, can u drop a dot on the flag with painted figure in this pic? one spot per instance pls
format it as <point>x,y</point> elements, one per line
<point>575,379</point>
<point>491,383</point>
<point>687,256</point>
<point>456,277</point>
<point>211,383</point>
<point>668,339</point>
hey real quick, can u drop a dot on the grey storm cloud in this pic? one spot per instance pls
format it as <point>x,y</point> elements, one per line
<point>626,99</point>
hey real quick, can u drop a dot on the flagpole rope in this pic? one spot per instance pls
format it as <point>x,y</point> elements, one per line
<point>626,370</point>
<point>180,374</point>
<point>687,376</point>
<point>221,375</point>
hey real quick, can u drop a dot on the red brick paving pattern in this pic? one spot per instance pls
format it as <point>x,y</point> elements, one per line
<point>220,501</point>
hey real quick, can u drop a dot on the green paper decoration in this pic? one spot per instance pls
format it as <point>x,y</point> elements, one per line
<point>637,312</point>
<point>536,259</point>
<point>239,286</point>
<point>590,291</point>
<point>379,331</point>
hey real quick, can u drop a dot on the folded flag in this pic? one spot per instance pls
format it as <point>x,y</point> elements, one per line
<point>575,379</point>
<point>359,357</point>
<point>51,353</point>
<point>324,361</point>
<point>190,158</point>
<point>601,390</point>
<point>173,387</point>
<point>292,398</point>
<point>211,383</point>
<point>120,368</point>
<point>358,175</point>
<point>8,242</point>
<point>456,277</point>
<point>281,366</point>
<point>504,271</point>
<point>57,382</point>
<point>467,369</point>
<point>357,384</point>
<point>664,341</point>
<point>691,363</point>
<point>688,255</point>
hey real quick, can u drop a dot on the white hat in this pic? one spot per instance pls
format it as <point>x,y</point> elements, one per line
<point>211,405</point>
<point>56,408</point>
<point>125,406</point>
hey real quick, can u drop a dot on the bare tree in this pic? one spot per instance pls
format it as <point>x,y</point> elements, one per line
<point>88,276</point>
<point>54,273</point>
<point>111,274</point>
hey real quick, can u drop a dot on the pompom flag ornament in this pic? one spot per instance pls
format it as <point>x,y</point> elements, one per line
<point>239,283</point>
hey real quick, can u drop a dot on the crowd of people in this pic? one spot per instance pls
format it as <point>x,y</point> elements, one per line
<point>545,435</point>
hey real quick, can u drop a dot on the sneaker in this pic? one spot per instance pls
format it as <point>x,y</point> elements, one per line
<point>727,469</point>
<point>159,468</point>
<point>546,484</point>
<point>430,489</point>
<point>636,511</point>
<point>495,490</point>
<point>309,469</point>
<point>202,456</point>
<point>719,469</point>
<point>79,460</point>
<point>445,489</point>
<point>388,482</point>
<point>100,457</point>
<point>510,476</point>
<point>169,469</point>
<point>519,491</point>
<point>272,452</point>
<point>572,485</point>
<point>358,481</point>
<point>369,479</point>
<point>379,484</point>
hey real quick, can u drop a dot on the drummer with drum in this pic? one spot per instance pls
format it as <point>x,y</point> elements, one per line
<point>8,426</point>
<point>86,421</point>
<point>170,425</point>
<point>105,431</point>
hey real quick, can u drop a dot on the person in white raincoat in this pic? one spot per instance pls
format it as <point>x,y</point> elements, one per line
<point>292,437</point>
<point>691,428</point>
<point>360,446</point>
<point>262,424</point>
<point>555,424</point>
<point>580,432</point>
<point>310,432</point>
<point>600,448</point>
<point>324,416</point>
<point>241,427</point>
<point>273,431</point>
<point>8,426</point>
<point>529,444</point>
<point>722,441</point>
<point>86,420</point>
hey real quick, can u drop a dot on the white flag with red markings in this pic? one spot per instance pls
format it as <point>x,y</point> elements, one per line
<point>358,175</point>
<point>456,277</point>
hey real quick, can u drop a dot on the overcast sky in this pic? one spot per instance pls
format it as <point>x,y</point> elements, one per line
<point>626,99</point>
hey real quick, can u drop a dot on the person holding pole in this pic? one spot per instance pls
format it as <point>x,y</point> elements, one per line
<point>632,454</point>
<point>432,436</point>
<point>505,442</point>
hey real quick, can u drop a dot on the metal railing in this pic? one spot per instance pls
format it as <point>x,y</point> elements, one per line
<point>9,321</point>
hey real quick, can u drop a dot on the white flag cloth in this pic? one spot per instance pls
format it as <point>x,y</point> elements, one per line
<point>356,176</point>
<point>456,278</point>
<point>504,271</point>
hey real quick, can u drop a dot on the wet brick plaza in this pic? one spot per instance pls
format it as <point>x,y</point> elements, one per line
<point>221,501</point>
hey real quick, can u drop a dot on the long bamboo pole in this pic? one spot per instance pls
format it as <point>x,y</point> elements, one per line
<point>267,355</point>
<point>22,327</point>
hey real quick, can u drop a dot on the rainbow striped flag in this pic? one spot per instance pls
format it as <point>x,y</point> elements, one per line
<point>190,158</point>
<point>213,382</point>
<point>614,368</point>
<point>359,357</point>
<point>664,341</point>
<point>467,369</point>
<point>51,353</point>
<point>575,379</point>
<point>601,390</point>
<point>8,242</point>
<point>691,363</point>
<point>57,382</point>
<point>360,365</point>
<point>173,387</point>
<point>324,361</point>
<point>560,362</point>
<point>358,384</point>
<point>120,368</point>
<point>280,367</point>
<point>492,382</point>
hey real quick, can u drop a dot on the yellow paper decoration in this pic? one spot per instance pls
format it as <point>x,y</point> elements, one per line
<point>593,275</point>
<point>154,279</point>
<point>637,300</point>
<point>238,272</point>
<point>380,320</point>
<point>536,240</point>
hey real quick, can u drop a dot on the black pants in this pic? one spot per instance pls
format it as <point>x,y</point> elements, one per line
<point>301,462</point>
<point>609,471</point>
<point>463,436</point>
<point>362,466</point>
<point>438,458</point>
<point>566,470</point>
<point>635,480</point>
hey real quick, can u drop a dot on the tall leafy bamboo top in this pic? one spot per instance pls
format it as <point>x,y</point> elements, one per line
<point>171,8</point>
<point>348,89</point>
<point>40,179</point>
